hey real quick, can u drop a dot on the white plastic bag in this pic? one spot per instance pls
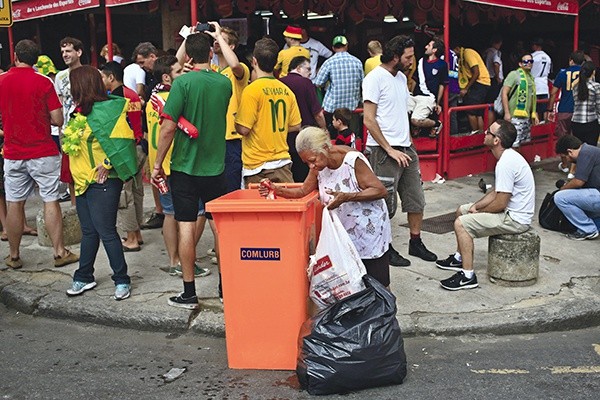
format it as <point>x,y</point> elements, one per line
<point>336,270</point>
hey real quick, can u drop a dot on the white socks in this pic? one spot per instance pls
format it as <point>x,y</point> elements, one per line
<point>458,257</point>
<point>468,273</point>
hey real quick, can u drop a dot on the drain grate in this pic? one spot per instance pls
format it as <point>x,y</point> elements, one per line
<point>440,224</point>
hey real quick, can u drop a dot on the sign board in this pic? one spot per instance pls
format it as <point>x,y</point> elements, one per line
<point>29,9</point>
<point>568,7</point>
<point>6,19</point>
<point>114,3</point>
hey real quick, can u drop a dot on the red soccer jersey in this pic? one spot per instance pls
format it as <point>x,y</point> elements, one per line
<point>134,113</point>
<point>26,99</point>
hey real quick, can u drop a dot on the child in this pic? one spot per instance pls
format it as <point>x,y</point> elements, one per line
<point>340,121</point>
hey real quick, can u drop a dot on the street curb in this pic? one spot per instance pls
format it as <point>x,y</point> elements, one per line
<point>580,310</point>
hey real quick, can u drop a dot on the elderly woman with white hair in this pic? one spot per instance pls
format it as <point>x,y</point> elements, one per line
<point>347,185</point>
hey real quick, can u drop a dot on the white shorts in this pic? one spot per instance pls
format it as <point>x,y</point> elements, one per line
<point>20,176</point>
<point>421,107</point>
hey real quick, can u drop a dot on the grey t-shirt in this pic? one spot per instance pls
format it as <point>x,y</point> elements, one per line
<point>588,166</point>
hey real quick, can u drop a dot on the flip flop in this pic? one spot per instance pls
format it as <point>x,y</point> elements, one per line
<point>4,237</point>
<point>69,258</point>
<point>131,249</point>
<point>140,242</point>
<point>14,263</point>
<point>32,232</point>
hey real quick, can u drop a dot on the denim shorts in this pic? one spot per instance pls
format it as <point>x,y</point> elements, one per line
<point>166,201</point>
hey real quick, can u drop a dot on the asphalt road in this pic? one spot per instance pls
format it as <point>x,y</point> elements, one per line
<point>53,359</point>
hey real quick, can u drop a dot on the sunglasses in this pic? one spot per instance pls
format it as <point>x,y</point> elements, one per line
<point>527,61</point>
<point>488,132</point>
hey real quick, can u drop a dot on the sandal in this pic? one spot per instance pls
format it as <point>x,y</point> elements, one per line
<point>4,237</point>
<point>70,258</point>
<point>31,232</point>
<point>14,263</point>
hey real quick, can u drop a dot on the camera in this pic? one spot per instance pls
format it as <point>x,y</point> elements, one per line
<point>204,26</point>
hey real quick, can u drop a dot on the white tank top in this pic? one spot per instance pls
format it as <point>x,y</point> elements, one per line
<point>367,222</point>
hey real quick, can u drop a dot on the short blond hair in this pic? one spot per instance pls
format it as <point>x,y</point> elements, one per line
<point>312,138</point>
<point>374,47</point>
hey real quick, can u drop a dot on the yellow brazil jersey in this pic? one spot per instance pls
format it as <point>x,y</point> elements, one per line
<point>372,62</point>
<point>285,56</point>
<point>268,108</point>
<point>83,166</point>
<point>468,59</point>
<point>153,134</point>
<point>238,85</point>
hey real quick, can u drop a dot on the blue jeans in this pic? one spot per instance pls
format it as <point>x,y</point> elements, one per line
<point>97,212</point>
<point>581,207</point>
<point>233,164</point>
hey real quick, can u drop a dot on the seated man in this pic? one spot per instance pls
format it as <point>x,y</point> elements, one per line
<point>579,199</point>
<point>506,210</point>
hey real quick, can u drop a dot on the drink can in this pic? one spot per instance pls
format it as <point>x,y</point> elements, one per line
<point>161,184</point>
<point>269,185</point>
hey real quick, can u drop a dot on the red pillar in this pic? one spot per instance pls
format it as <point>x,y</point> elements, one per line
<point>444,150</point>
<point>194,11</point>
<point>11,45</point>
<point>109,37</point>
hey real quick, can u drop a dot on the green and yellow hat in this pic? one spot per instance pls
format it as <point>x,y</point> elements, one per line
<point>45,65</point>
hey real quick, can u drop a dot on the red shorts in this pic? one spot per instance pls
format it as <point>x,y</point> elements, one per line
<point>65,171</point>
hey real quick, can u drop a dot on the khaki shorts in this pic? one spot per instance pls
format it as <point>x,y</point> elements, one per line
<point>20,176</point>
<point>406,180</point>
<point>420,106</point>
<point>484,224</point>
<point>278,175</point>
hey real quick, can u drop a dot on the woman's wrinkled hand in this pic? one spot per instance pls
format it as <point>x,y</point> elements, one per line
<point>337,199</point>
<point>264,187</point>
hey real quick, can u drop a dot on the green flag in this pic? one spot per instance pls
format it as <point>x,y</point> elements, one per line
<point>108,121</point>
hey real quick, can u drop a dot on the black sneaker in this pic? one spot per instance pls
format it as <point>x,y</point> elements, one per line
<point>154,222</point>
<point>459,281</point>
<point>450,264</point>
<point>190,303</point>
<point>578,235</point>
<point>417,248</point>
<point>396,259</point>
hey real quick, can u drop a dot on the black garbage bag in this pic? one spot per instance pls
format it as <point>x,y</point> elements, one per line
<point>353,344</point>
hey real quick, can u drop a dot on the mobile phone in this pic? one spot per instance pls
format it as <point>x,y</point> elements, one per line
<point>204,26</point>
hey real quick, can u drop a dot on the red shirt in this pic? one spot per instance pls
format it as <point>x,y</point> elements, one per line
<point>134,112</point>
<point>26,99</point>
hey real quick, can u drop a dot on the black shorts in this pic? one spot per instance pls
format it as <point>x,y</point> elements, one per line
<point>476,95</point>
<point>379,268</point>
<point>187,190</point>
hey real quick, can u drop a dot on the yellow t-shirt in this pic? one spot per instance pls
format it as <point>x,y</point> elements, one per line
<point>238,85</point>
<point>468,59</point>
<point>371,63</point>
<point>268,108</point>
<point>153,120</point>
<point>285,56</point>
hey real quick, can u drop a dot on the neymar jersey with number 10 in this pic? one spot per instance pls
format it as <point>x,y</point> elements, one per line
<point>268,108</point>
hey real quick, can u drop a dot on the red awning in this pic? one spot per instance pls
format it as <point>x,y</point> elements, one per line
<point>568,7</point>
<point>30,9</point>
<point>114,3</point>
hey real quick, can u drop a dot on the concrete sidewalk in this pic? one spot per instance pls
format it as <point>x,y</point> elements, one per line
<point>567,294</point>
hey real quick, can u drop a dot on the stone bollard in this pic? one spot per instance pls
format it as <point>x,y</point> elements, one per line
<point>514,260</point>
<point>71,228</point>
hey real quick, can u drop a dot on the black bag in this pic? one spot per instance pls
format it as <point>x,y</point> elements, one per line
<point>353,344</point>
<point>550,216</point>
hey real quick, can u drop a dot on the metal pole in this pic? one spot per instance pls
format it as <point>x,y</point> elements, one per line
<point>109,37</point>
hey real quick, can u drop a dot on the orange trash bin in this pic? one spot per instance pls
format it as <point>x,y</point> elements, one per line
<point>264,249</point>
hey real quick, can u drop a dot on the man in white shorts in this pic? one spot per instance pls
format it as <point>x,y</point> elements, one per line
<point>29,105</point>
<point>508,209</point>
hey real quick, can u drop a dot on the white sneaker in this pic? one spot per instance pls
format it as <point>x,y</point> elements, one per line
<point>79,287</point>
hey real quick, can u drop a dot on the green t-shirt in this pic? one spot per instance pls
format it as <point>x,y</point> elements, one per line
<point>513,80</point>
<point>202,97</point>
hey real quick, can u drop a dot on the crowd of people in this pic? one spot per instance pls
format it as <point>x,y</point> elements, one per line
<point>206,123</point>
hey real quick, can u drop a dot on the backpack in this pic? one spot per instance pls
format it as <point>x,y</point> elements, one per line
<point>551,218</point>
<point>498,107</point>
